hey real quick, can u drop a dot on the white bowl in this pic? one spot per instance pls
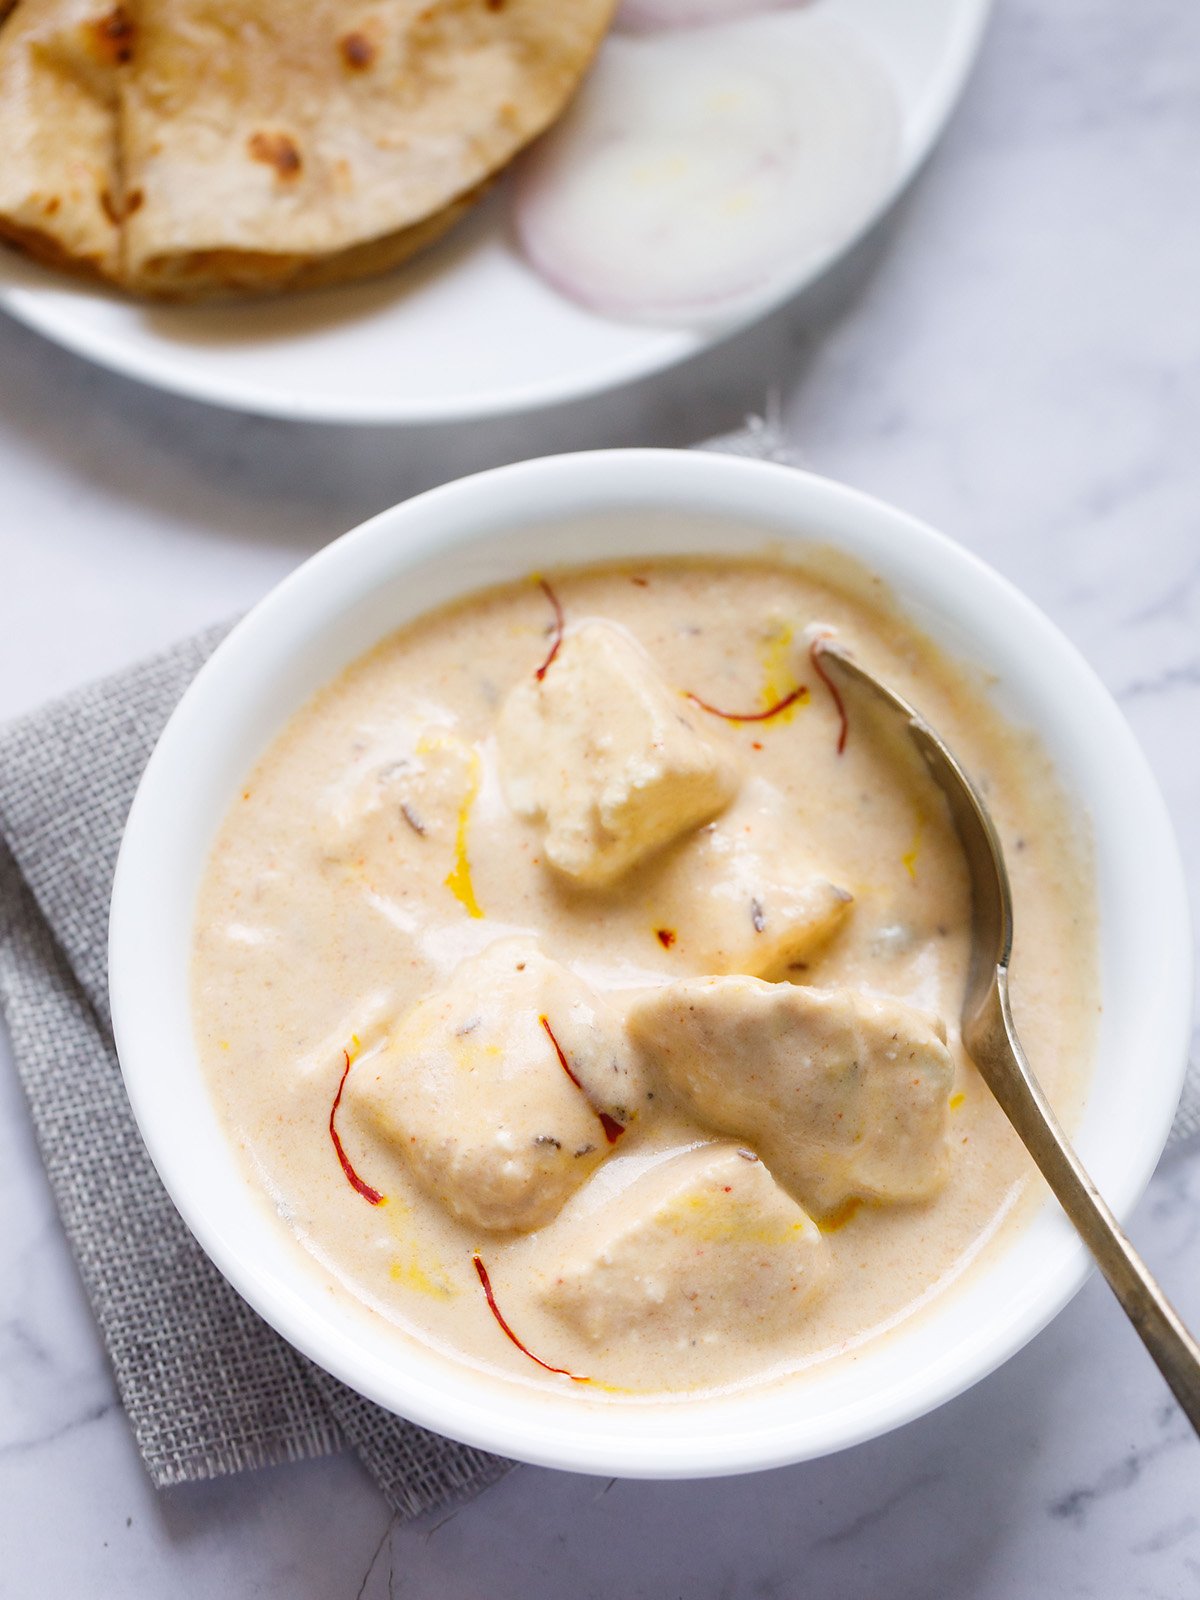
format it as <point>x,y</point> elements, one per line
<point>568,510</point>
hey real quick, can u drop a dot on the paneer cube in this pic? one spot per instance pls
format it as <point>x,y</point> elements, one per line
<point>703,1248</point>
<point>843,1094</point>
<point>744,896</point>
<point>607,756</point>
<point>471,1089</point>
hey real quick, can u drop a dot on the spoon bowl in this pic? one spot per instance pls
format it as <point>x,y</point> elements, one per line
<point>991,1040</point>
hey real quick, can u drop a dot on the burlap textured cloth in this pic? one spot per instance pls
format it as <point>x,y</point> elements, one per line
<point>208,1387</point>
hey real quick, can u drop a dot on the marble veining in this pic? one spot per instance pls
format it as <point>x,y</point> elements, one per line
<point>1172,1433</point>
<point>1014,355</point>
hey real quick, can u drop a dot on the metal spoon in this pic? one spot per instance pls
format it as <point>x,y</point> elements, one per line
<point>990,1038</point>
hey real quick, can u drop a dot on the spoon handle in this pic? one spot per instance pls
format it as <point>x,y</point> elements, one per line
<point>1174,1350</point>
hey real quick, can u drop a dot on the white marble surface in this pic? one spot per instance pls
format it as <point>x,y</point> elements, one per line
<point>1016,357</point>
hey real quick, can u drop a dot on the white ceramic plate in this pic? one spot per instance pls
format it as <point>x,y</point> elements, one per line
<point>566,510</point>
<point>468,330</point>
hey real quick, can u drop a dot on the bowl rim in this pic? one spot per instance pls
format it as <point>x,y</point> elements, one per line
<point>478,513</point>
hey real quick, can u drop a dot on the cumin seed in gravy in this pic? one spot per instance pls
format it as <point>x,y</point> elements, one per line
<point>585,1011</point>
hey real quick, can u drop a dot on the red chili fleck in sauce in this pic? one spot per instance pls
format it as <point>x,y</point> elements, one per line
<point>558,628</point>
<point>665,937</point>
<point>372,1196</point>
<point>751,716</point>
<point>612,1128</point>
<point>482,1273</point>
<point>814,652</point>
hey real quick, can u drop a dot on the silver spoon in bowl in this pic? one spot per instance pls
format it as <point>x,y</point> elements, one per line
<point>990,1038</point>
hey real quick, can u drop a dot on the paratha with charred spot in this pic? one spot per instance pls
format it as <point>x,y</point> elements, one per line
<point>192,147</point>
<point>268,143</point>
<point>60,191</point>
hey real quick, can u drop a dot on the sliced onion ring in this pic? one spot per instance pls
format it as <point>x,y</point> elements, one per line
<point>698,168</point>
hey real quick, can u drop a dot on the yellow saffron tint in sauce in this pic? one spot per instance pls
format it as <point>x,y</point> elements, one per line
<point>373,849</point>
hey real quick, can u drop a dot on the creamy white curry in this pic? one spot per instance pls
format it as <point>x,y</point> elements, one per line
<point>580,981</point>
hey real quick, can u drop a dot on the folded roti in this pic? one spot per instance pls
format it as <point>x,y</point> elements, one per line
<point>59,169</point>
<point>261,144</point>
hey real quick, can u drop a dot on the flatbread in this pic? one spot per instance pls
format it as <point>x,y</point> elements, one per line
<point>59,172</point>
<point>213,273</point>
<point>245,145</point>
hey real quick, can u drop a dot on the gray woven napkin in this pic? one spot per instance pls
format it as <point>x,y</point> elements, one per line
<point>209,1388</point>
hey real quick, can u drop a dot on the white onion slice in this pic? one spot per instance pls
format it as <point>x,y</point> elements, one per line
<point>653,16</point>
<point>696,169</point>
